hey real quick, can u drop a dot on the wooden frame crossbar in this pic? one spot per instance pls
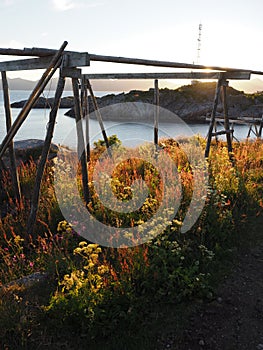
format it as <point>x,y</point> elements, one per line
<point>42,52</point>
<point>238,75</point>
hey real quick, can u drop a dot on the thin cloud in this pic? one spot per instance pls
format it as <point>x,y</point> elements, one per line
<point>14,44</point>
<point>65,5</point>
<point>6,3</point>
<point>88,5</point>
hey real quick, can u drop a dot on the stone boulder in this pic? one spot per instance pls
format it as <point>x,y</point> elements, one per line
<point>26,150</point>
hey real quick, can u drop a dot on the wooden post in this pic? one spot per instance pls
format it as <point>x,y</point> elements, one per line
<point>213,116</point>
<point>3,193</point>
<point>81,142</point>
<point>260,127</point>
<point>44,155</point>
<point>13,169</point>
<point>226,118</point>
<point>54,64</point>
<point>85,111</point>
<point>99,118</point>
<point>156,111</point>
<point>249,131</point>
<point>256,131</point>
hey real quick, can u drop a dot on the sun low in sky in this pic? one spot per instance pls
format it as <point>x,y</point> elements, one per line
<point>161,30</point>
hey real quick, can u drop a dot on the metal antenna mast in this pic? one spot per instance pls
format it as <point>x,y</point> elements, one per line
<point>199,44</point>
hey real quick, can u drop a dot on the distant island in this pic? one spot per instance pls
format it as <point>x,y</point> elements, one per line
<point>193,103</point>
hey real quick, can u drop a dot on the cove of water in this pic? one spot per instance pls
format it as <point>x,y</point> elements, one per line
<point>130,134</point>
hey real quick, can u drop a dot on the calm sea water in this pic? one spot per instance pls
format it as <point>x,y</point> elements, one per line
<point>130,133</point>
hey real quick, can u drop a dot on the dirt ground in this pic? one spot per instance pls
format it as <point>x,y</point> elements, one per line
<point>234,319</point>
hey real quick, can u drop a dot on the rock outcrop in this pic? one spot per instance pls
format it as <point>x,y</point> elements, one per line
<point>193,103</point>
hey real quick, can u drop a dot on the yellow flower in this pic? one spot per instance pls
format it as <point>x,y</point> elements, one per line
<point>77,250</point>
<point>94,256</point>
<point>18,240</point>
<point>103,269</point>
<point>93,246</point>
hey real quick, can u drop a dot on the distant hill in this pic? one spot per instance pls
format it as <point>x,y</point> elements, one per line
<point>98,85</point>
<point>250,86</point>
<point>19,84</point>
<point>23,84</point>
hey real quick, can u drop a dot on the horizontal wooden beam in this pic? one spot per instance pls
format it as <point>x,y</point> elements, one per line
<point>73,60</point>
<point>154,63</point>
<point>222,132</point>
<point>17,52</point>
<point>238,75</point>
<point>25,64</point>
<point>34,51</point>
<point>43,52</point>
<point>238,120</point>
<point>180,75</point>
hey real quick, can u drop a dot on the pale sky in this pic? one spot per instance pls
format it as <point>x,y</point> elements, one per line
<point>164,30</point>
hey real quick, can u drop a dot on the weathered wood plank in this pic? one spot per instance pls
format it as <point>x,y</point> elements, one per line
<point>241,75</point>
<point>156,111</point>
<point>155,63</point>
<point>8,115</point>
<point>260,127</point>
<point>26,64</point>
<point>213,115</point>
<point>238,120</point>
<point>226,118</point>
<point>85,111</point>
<point>15,52</point>
<point>250,119</point>
<point>73,60</point>
<point>182,75</point>
<point>42,52</point>
<point>44,155</point>
<point>177,75</point>
<point>98,116</point>
<point>78,59</point>
<point>223,132</point>
<point>71,73</point>
<point>81,141</point>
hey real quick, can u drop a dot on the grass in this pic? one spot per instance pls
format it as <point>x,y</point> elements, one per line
<point>107,298</point>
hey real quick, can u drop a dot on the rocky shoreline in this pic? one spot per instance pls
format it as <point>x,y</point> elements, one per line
<point>193,103</point>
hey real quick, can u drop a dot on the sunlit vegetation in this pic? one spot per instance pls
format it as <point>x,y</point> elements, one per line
<point>94,295</point>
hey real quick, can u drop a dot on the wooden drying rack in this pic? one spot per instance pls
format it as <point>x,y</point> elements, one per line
<point>69,64</point>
